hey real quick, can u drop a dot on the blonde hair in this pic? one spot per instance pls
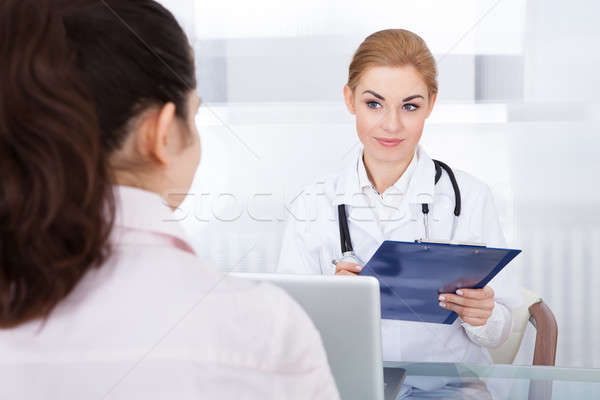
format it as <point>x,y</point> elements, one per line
<point>394,48</point>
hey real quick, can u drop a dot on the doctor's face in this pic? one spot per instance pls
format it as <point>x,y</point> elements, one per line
<point>391,105</point>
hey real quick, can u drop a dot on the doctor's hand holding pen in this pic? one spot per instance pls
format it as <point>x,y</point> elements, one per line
<point>347,268</point>
<point>474,306</point>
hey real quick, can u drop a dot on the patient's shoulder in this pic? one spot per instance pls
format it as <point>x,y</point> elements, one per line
<point>275,328</point>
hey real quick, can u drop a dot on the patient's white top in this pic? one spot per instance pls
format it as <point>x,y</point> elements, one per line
<point>156,322</point>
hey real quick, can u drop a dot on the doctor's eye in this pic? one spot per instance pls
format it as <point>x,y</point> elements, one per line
<point>410,107</point>
<point>373,104</point>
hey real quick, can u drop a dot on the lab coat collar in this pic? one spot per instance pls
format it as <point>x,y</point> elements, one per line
<point>141,210</point>
<point>363,178</point>
<point>422,184</point>
<point>348,187</point>
<point>348,192</point>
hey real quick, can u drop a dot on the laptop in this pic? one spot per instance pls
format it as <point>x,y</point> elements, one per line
<point>346,311</point>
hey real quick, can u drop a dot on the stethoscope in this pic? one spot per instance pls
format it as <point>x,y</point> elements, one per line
<point>346,243</point>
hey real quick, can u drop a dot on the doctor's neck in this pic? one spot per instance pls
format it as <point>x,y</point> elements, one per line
<point>384,174</point>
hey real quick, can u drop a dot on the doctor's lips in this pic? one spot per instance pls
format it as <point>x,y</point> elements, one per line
<point>387,142</point>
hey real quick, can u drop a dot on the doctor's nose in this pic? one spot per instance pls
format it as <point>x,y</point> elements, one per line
<point>392,122</point>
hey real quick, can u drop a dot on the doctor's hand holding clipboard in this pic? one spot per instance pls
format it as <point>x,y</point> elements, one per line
<point>392,190</point>
<point>473,306</point>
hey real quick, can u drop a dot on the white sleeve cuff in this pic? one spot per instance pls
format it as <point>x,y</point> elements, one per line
<point>495,331</point>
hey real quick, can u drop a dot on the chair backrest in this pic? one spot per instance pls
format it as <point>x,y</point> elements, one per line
<point>535,310</point>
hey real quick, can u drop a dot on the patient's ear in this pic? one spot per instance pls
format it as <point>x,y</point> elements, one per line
<point>155,131</point>
<point>349,99</point>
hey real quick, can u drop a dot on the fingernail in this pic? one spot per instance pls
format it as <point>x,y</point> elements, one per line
<point>358,267</point>
<point>442,304</point>
<point>441,298</point>
<point>459,292</point>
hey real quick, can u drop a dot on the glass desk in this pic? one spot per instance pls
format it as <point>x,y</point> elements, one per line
<point>498,381</point>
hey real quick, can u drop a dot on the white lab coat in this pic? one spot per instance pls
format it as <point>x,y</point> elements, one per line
<point>311,241</point>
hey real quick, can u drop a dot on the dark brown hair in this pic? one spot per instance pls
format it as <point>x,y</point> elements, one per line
<point>73,73</point>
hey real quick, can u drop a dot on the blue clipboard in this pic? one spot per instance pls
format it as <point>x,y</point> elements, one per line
<point>412,274</point>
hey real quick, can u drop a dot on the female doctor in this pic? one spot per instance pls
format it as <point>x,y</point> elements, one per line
<point>389,192</point>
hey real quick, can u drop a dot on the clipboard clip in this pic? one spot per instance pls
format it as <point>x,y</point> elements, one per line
<point>451,242</point>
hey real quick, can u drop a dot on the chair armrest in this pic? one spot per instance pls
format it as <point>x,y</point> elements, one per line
<point>547,333</point>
